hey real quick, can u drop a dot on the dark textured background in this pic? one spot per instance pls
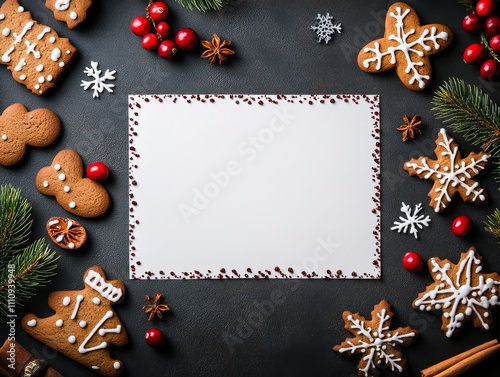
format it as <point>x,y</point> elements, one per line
<point>275,53</point>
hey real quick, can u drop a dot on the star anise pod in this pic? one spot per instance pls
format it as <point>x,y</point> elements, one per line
<point>411,127</point>
<point>216,50</point>
<point>155,309</point>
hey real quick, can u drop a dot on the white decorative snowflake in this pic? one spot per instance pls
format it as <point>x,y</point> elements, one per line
<point>461,291</point>
<point>413,221</point>
<point>405,47</point>
<point>98,84</point>
<point>324,28</point>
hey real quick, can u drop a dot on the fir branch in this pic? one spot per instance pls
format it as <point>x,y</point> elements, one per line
<point>490,51</point>
<point>493,224</point>
<point>24,274</point>
<point>15,222</point>
<point>471,112</point>
<point>469,5</point>
<point>203,5</point>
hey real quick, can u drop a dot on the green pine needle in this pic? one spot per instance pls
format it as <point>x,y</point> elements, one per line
<point>493,224</point>
<point>15,222</point>
<point>203,5</point>
<point>24,274</point>
<point>469,5</point>
<point>471,112</point>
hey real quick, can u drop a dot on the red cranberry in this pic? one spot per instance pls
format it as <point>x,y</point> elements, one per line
<point>495,43</point>
<point>140,26</point>
<point>490,70</point>
<point>486,8</point>
<point>187,39</point>
<point>155,338</point>
<point>475,54</point>
<point>97,171</point>
<point>461,226</point>
<point>472,23</point>
<point>167,49</point>
<point>159,11</point>
<point>412,261</point>
<point>150,42</point>
<point>492,26</point>
<point>163,28</point>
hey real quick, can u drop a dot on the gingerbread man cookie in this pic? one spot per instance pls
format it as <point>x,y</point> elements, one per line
<point>84,323</point>
<point>73,12</point>
<point>35,53</point>
<point>405,47</point>
<point>461,291</point>
<point>450,173</point>
<point>64,180</point>
<point>20,128</point>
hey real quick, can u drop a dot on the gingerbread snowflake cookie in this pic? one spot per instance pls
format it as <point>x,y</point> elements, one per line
<point>461,291</point>
<point>375,341</point>
<point>405,47</point>
<point>34,53</point>
<point>64,180</point>
<point>73,12</point>
<point>84,323</point>
<point>20,128</point>
<point>450,173</point>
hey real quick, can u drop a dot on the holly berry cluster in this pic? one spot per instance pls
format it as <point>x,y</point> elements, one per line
<point>485,21</point>
<point>154,30</point>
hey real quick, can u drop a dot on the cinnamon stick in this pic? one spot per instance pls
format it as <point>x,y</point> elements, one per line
<point>14,358</point>
<point>458,364</point>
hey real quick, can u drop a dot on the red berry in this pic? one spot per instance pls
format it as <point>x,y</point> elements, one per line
<point>412,261</point>
<point>472,23</point>
<point>461,226</point>
<point>486,8</point>
<point>187,39</point>
<point>150,41</point>
<point>159,11</point>
<point>97,171</point>
<point>475,54</point>
<point>492,26</point>
<point>163,28</point>
<point>140,26</point>
<point>490,70</point>
<point>167,49</point>
<point>495,43</point>
<point>155,338</point>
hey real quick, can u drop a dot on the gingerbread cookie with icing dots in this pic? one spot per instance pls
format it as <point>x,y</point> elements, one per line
<point>20,128</point>
<point>461,291</point>
<point>450,172</point>
<point>73,12</point>
<point>64,180</point>
<point>405,47</point>
<point>35,53</point>
<point>84,323</point>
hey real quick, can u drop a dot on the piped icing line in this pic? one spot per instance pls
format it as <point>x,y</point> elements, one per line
<point>79,299</point>
<point>99,284</point>
<point>82,349</point>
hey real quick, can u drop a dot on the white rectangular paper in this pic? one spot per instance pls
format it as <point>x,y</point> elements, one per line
<point>254,186</point>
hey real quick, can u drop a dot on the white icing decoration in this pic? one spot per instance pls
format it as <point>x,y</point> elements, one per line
<point>42,34</point>
<point>45,184</point>
<point>57,167</point>
<point>49,78</point>
<point>22,77</point>
<point>73,15</point>
<point>41,79</point>
<point>454,295</point>
<point>95,281</point>
<point>59,323</point>
<point>72,339</point>
<point>4,137</point>
<point>20,65</point>
<point>39,68</point>
<point>98,82</point>
<point>117,365</point>
<point>407,48</point>
<point>61,64</point>
<point>412,221</point>
<point>82,324</point>
<point>52,39</point>
<point>452,177</point>
<point>53,222</point>
<point>79,299</point>
<point>17,39</point>
<point>96,300</point>
<point>62,4</point>
<point>71,245</point>
<point>69,224</point>
<point>30,48</point>
<point>62,177</point>
<point>60,238</point>
<point>95,367</point>
<point>55,55</point>
<point>66,301</point>
<point>6,32</point>
<point>2,16</point>
<point>82,349</point>
<point>115,330</point>
<point>20,9</point>
<point>67,189</point>
<point>31,323</point>
<point>72,205</point>
<point>36,86</point>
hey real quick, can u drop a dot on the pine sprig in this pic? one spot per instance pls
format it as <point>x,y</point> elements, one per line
<point>25,273</point>
<point>203,5</point>
<point>15,221</point>
<point>492,224</point>
<point>471,112</point>
<point>469,5</point>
